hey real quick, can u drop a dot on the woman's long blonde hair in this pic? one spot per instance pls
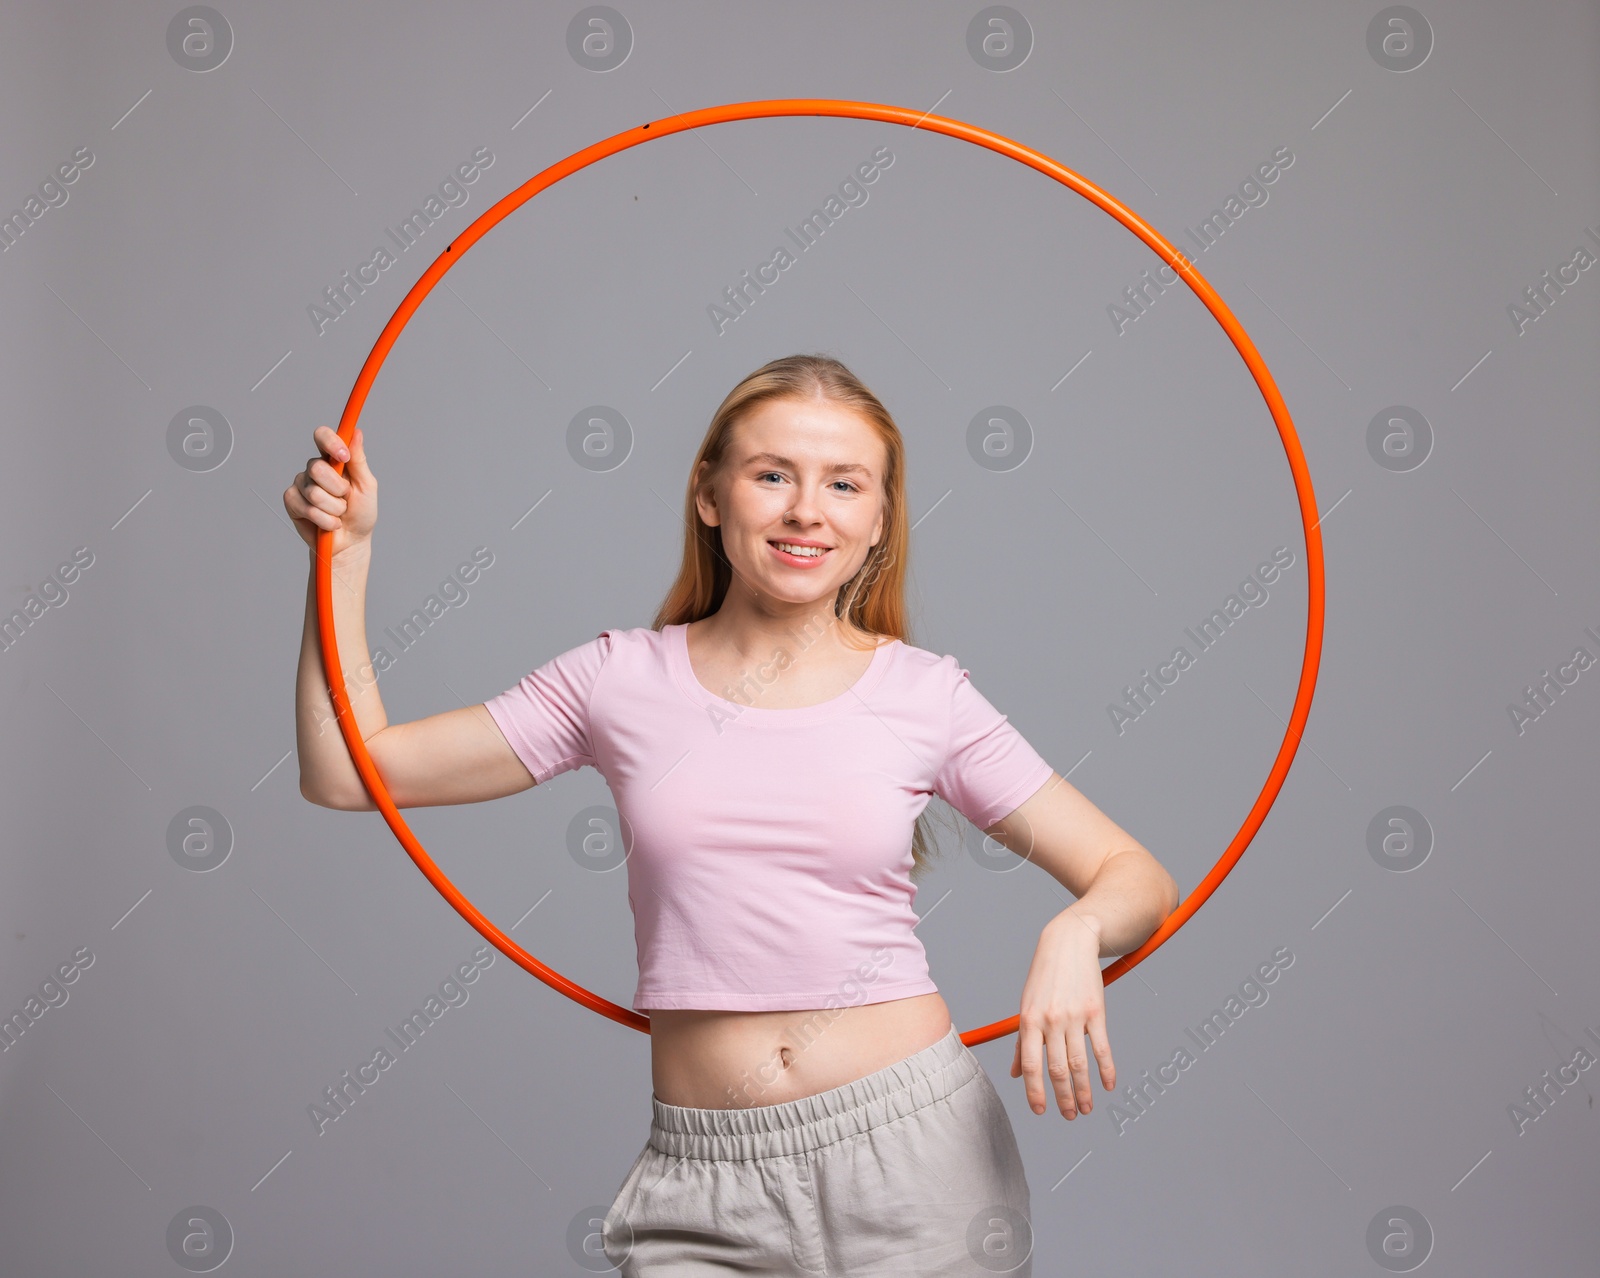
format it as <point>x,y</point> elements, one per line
<point>872,601</point>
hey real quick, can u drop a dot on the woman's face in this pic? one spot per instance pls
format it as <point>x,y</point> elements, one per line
<point>799,499</point>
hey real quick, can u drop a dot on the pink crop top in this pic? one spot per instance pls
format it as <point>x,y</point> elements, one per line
<point>771,847</point>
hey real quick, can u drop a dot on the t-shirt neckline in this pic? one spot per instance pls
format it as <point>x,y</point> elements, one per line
<point>697,692</point>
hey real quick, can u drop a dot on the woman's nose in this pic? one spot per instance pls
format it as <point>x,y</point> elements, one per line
<point>804,508</point>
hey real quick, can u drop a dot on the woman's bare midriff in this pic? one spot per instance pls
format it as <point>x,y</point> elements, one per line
<point>736,1060</point>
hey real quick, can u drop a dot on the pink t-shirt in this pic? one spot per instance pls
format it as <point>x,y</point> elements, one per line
<point>771,847</point>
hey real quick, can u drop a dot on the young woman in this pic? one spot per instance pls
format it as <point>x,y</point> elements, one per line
<point>771,742</point>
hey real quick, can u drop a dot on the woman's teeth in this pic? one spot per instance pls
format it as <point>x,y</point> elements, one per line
<point>807,552</point>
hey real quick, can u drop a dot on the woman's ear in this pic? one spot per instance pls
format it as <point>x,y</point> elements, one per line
<point>705,498</point>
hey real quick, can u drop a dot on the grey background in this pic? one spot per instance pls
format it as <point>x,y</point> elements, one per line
<point>1419,205</point>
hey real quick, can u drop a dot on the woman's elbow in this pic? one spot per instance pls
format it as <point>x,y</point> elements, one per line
<point>310,792</point>
<point>338,801</point>
<point>1174,896</point>
<point>1169,894</point>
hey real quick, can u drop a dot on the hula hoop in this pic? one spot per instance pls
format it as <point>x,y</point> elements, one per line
<point>1174,258</point>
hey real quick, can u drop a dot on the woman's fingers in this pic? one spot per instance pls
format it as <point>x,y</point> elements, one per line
<point>1054,1049</point>
<point>319,478</point>
<point>332,446</point>
<point>320,497</point>
<point>1036,1041</point>
<point>317,469</point>
<point>1100,1044</point>
<point>310,502</point>
<point>1030,1057</point>
<point>1064,1070</point>
<point>358,468</point>
<point>1078,1061</point>
<point>295,503</point>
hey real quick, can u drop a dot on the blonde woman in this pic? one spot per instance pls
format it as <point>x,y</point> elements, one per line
<point>771,741</point>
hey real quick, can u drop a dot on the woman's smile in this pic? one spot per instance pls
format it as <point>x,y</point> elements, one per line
<point>800,553</point>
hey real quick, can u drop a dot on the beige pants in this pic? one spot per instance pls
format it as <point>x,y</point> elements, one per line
<point>913,1169</point>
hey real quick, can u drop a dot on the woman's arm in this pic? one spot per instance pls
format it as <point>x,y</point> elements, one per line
<point>459,756</point>
<point>1123,895</point>
<point>1123,892</point>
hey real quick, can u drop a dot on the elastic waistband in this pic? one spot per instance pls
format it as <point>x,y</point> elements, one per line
<point>764,1131</point>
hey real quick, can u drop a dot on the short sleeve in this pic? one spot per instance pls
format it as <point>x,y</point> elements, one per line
<point>545,715</point>
<point>989,768</point>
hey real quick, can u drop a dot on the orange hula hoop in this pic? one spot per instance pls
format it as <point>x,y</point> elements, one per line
<point>1173,257</point>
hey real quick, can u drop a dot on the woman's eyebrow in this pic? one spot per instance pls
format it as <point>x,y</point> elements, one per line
<point>835,468</point>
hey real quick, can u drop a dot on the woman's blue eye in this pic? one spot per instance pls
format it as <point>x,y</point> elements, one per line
<point>764,474</point>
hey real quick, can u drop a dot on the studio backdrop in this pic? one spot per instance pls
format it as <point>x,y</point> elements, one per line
<point>1370,1049</point>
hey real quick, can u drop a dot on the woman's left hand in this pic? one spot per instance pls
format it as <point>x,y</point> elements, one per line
<point>1063,999</point>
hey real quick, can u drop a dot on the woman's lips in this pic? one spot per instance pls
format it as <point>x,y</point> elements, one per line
<point>798,561</point>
